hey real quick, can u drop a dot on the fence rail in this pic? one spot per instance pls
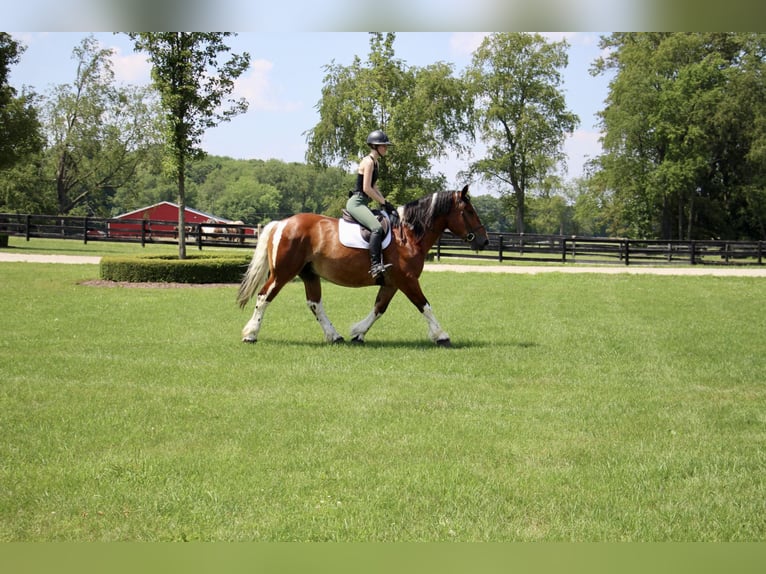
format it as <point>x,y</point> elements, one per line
<point>502,246</point>
<point>598,250</point>
<point>143,231</point>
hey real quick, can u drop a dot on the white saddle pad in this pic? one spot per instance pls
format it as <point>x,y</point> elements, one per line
<point>350,235</point>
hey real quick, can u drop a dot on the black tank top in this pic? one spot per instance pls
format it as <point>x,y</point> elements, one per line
<point>360,178</point>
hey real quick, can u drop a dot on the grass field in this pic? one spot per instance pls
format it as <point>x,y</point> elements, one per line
<point>586,408</point>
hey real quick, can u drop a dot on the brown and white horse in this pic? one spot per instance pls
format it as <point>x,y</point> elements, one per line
<point>307,245</point>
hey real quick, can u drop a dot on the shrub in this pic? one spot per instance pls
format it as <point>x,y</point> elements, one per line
<point>212,268</point>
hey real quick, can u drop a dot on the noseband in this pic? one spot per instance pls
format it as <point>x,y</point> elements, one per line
<point>471,235</point>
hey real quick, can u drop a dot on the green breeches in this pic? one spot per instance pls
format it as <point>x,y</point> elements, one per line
<point>358,206</point>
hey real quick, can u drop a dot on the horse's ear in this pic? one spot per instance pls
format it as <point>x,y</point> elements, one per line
<point>464,194</point>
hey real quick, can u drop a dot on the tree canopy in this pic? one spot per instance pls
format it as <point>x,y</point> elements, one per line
<point>685,134</point>
<point>19,124</point>
<point>683,124</point>
<point>194,88</point>
<point>424,111</point>
<point>520,112</point>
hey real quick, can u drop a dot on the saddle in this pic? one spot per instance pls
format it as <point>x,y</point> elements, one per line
<point>352,234</point>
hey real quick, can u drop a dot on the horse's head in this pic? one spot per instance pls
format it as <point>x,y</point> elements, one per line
<point>464,222</point>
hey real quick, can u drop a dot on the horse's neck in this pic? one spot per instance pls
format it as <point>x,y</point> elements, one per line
<point>429,238</point>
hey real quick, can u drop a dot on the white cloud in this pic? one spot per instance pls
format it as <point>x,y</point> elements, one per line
<point>260,91</point>
<point>581,146</point>
<point>256,86</point>
<point>465,43</point>
<point>133,68</point>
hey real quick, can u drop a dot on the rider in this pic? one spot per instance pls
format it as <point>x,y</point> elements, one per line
<point>367,189</point>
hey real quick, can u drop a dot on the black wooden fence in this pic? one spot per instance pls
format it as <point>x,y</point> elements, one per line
<point>502,247</point>
<point>603,250</point>
<point>143,231</point>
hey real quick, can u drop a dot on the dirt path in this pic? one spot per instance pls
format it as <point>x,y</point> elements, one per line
<point>612,269</point>
<point>39,258</point>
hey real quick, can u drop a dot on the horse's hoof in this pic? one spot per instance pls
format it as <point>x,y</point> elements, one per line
<point>446,343</point>
<point>338,341</point>
<point>357,341</point>
<point>249,340</point>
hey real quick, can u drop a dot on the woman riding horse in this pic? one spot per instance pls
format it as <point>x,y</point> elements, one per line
<point>366,190</point>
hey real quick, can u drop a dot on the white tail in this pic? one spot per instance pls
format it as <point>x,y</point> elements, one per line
<point>258,270</point>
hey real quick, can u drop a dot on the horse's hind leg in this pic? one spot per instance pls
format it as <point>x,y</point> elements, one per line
<point>313,286</point>
<point>266,295</point>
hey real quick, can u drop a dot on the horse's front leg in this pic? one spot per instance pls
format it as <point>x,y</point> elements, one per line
<point>435,331</point>
<point>415,294</point>
<point>359,330</point>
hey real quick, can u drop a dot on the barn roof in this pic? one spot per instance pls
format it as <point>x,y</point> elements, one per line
<point>132,214</point>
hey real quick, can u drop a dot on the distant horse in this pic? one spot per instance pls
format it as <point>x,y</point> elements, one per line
<point>218,231</point>
<point>307,245</point>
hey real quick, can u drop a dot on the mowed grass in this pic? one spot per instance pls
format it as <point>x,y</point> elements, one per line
<point>572,407</point>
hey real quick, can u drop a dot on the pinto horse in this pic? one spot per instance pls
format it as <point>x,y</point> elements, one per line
<point>307,245</point>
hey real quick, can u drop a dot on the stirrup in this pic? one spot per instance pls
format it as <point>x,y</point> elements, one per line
<point>378,269</point>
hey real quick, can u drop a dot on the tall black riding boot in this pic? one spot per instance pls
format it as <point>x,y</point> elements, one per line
<point>376,254</point>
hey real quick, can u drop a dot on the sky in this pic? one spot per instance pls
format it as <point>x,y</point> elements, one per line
<point>283,85</point>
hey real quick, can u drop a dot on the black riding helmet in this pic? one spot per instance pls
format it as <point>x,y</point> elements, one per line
<point>378,137</point>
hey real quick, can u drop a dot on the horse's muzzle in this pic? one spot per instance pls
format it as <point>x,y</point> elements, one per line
<point>477,243</point>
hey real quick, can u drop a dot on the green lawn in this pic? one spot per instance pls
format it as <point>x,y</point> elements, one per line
<point>572,407</point>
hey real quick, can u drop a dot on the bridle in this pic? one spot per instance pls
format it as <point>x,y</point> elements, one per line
<point>471,235</point>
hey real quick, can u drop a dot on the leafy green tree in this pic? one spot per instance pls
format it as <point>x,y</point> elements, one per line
<point>588,212</point>
<point>97,133</point>
<point>683,123</point>
<point>424,111</point>
<point>520,112</point>
<point>20,133</point>
<point>549,211</point>
<point>492,212</point>
<point>249,201</point>
<point>194,89</point>
<point>149,185</point>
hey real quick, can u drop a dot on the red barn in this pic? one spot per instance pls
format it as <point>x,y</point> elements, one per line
<point>161,219</point>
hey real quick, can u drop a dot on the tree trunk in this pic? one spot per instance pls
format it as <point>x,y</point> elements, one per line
<point>519,211</point>
<point>181,209</point>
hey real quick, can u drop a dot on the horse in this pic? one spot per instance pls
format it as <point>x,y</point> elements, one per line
<point>307,245</point>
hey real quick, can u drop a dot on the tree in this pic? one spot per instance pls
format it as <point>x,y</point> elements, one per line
<point>683,123</point>
<point>549,211</point>
<point>424,111</point>
<point>492,213</point>
<point>194,91</point>
<point>20,133</point>
<point>98,133</point>
<point>521,114</point>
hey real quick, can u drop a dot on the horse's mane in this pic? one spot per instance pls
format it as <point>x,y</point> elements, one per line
<point>419,215</point>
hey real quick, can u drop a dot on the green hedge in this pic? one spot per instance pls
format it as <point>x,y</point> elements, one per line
<point>213,268</point>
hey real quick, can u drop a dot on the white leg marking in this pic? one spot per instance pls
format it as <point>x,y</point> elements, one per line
<point>434,329</point>
<point>250,332</point>
<point>359,330</point>
<point>330,334</point>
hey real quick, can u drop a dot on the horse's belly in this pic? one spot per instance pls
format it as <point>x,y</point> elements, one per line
<point>348,271</point>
